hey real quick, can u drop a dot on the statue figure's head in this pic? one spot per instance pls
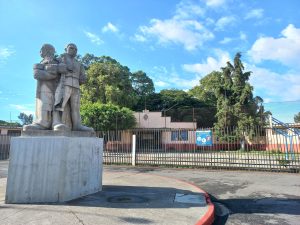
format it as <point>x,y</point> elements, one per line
<point>47,50</point>
<point>71,49</point>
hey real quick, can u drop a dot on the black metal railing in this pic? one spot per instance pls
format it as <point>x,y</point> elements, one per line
<point>254,148</point>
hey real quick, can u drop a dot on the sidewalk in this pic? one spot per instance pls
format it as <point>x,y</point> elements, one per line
<point>127,198</point>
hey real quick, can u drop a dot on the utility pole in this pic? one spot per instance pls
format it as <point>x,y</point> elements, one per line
<point>194,118</point>
<point>165,110</point>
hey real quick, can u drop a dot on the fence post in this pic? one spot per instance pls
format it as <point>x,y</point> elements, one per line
<point>133,149</point>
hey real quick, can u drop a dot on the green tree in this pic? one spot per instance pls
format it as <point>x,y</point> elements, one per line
<point>10,124</point>
<point>143,87</point>
<point>88,59</point>
<point>26,119</point>
<point>178,98</point>
<point>230,92</point>
<point>141,83</point>
<point>297,118</point>
<point>108,82</point>
<point>262,116</point>
<point>153,103</point>
<point>237,109</point>
<point>205,91</point>
<point>181,106</point>
<point>235,103</point>
<point>104,117</point>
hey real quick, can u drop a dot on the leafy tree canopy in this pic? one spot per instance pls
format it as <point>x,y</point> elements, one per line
<point>297,118</point>
<point>107,82</point>
<point>205,91</point>
<point>230,92</point>
<point>11,124</point>
<point>179,98</point>
<point>141,83</point>
<point>104,117</point>
<point>25,119</point>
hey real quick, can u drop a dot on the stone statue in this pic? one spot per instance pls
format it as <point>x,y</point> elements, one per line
<point>68,92</point>
<point>46,73</point>
<point>58,93</point>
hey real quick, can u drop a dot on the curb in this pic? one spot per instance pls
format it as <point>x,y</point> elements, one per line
<point>208,217</point>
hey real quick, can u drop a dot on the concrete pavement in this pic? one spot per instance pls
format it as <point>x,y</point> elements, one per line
<point>128,197</point>
<point>240,197</point>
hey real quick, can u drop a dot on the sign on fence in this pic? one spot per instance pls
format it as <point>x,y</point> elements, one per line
<point>204,138</point>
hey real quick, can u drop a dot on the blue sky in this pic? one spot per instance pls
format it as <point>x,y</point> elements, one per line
<point>175,42</point>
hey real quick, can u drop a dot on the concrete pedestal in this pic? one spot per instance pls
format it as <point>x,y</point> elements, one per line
<point>53,168</point>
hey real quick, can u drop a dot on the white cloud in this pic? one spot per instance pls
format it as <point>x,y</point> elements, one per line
<point>215,3</point>
<point>183,28</point>
<point>274,86</point>
<point>139,38</point>
<point>110,27</point>
<point>165,78</point>
<point>285,49</point>
<point>225,21</point>
<point>93,38</point>
<point>255,13</point>
<point>243,36</point>
<point>185,83</point>
<point>190,33</point>
<point>160,77</point>
<point>209,65</point>
<point>5,53</point>
<point>161,84</point>
<point>27,109</point>
<point>209,21</point>
<point>226,40</point>
<point>188,10</point>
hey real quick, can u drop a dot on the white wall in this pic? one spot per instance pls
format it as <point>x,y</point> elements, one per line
<point>147,119</point>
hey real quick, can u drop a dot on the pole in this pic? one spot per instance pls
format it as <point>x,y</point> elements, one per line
<point>194,118</point>
<point>133,152</point>
<point>165,118</point>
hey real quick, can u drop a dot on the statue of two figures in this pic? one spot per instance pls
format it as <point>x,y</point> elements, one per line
<point>58,93</point>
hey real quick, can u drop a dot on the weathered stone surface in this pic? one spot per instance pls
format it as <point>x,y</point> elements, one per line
<point>58,92</point>
<point>32,133</point>
<point>53,169</point>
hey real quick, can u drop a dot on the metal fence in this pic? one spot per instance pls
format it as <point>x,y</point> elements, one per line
<point>257,149</point>
<point>4,146</point>
<point>251,149</point>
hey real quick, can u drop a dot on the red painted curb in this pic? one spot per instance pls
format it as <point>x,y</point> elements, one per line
<point>209,216</point>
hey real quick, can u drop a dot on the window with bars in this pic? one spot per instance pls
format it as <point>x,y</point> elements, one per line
<point>179,135</point>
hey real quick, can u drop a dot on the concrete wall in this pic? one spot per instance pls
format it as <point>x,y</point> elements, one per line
<point>6,130</point>
<point>147,119</point>
<point>53,169</point>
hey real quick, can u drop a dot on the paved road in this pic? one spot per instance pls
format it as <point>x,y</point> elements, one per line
<point>240,197</point>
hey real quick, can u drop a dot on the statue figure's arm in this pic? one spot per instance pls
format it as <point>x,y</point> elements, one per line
<point>41,73</point>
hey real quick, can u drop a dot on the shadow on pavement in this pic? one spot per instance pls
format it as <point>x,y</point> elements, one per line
<point>269,205</point>
<point>137,197</point>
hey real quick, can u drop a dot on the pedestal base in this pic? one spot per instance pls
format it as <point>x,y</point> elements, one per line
<point>53,169</point>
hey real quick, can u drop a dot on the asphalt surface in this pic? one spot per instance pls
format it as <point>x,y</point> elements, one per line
<point>128,197</point>
<point>240,197</point>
